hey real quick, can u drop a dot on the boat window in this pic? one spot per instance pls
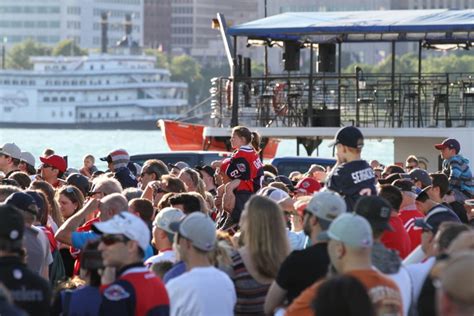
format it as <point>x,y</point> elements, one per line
<point>82,82</point>
<point>46,99</point>
<point>92,67</point>
<point>116,114</point>
<point>63,99</point>
<point>23,82</point>
<point>65,83</point>
<point>15,82</point>
<point>54,99</point>
<point>57,82</point>
<point>32,83</point>
<point>99,115</point>
<point>72,99</point>
<point>74,82</point>
<point>70,113</point>
<point>7,82</point>
<point>53,114</point>
<point>116,98</point>
<point>7,109</point>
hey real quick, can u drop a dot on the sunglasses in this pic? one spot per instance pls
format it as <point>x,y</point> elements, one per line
<point>409,167</point>
<point>94,193</point>
<point>109,240</point>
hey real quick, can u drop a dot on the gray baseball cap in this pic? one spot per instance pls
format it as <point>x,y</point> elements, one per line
<point>199,229</point>
<point>167,216</point>
<point>28,158</point>
<point>10,149</point>
<point>350,229</point>
<point>326,206</point>
<point>420,175</point>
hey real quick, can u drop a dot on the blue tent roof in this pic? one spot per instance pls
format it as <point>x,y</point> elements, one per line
<point>356,26</point>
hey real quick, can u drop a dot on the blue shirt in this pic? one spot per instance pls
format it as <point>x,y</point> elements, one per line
<point>178,269</point>
<point>79,240</point>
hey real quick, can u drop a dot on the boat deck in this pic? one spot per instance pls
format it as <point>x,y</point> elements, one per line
<point>329,100</point>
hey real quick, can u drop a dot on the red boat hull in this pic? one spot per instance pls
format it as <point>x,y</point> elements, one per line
<point>185,136</point>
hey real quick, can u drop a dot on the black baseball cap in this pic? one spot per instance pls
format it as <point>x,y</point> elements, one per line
<point>23,202</point>
<point>285,180</point>
<point>376,210</point>
<point>432,221</point>
<point>79,181</point>
<point>207,169</point>
<point>349,136</point>
<point>12,225</point>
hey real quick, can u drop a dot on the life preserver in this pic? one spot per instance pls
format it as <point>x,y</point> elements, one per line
<point>228,91</point>
<point>279,99</point>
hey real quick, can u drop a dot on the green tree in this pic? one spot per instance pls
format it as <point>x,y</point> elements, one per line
<point>68,47</point>
<point>162,59</point>
<point>18,56</point>
<point>185,68</point>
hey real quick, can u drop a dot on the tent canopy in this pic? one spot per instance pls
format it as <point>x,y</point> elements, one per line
<point>444,26</point>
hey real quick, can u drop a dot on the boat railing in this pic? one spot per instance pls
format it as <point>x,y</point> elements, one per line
<point>365,100</point>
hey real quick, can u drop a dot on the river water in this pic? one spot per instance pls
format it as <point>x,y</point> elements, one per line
<point>76,143</point>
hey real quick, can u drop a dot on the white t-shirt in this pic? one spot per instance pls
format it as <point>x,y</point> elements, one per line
<point>204,291</point>
<point>167,255</point>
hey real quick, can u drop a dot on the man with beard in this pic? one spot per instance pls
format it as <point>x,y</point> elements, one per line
<point>304,267</point>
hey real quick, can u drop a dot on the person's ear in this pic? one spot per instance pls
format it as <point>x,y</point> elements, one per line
<point>340,250</point>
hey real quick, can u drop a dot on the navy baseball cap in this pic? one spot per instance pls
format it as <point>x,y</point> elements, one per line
<point>432,222</point>
<point>349,136</point>
<point>450,143</point>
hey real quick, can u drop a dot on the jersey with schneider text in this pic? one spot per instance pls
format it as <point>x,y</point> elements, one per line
<point>352,180</point>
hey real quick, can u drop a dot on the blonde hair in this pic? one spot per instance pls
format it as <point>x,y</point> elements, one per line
<point>265,235</point>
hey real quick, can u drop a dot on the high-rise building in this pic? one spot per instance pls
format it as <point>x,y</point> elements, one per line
<point>191,25</point>
<point>157,24</point>
<point>50,21</point>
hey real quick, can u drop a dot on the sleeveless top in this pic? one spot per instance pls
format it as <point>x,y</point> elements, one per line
<point>250,293</point>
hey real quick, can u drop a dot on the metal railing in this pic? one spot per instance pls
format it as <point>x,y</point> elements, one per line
<point>365,100</point>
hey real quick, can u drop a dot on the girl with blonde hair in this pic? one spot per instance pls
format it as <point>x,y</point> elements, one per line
<point>256,264</point>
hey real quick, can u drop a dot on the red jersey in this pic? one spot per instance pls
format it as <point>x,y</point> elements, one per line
<point>137,291</point>
<point>245,165</point>
<point>408,216</point>
<point>398,239</point>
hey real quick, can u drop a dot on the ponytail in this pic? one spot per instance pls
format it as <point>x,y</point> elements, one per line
<point>256,141</point>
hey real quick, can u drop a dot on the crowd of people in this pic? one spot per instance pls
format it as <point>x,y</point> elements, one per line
<point>236,237</point>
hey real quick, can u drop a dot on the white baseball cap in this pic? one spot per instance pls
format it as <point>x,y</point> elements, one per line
<point>10,149</point>
<point>127,224</point>
<point>167,216</point>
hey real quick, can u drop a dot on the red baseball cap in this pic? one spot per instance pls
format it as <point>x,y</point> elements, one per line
<point>307,186</point>
<point>55,161</point>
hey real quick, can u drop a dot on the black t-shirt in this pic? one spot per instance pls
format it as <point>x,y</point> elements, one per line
<point>352,180</point>
<point>302,268</point>
<point>29,291</point>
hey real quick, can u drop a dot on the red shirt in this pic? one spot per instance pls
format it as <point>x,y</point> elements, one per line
<point>398,239</point>
<point>408,216</point>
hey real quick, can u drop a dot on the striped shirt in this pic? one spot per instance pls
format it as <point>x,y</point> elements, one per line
<point>250,293</point>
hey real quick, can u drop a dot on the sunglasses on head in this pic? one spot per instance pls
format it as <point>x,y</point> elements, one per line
<point>109,240</point>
